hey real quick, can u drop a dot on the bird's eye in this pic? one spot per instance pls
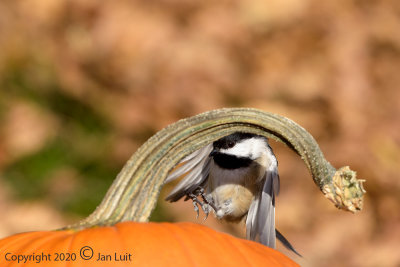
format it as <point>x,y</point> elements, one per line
<point>231,144</point>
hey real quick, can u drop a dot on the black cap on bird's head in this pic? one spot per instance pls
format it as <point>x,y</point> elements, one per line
<point>230,141</point>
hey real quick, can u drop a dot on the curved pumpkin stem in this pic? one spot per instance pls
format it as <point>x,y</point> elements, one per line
<point>133,195</point>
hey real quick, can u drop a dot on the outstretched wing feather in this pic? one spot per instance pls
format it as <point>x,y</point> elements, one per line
<point>260,221</point>
<point>196,166</point>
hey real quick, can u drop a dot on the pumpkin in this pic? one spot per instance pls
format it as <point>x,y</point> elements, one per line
<point>139,244</point>
<point>118,228</point>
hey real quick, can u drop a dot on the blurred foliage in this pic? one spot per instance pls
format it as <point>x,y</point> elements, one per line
<point>80,144</point>
<point>84,83</point>
<point>32,175</point>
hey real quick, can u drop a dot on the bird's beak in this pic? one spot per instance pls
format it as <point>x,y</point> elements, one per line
<point>213,152</point>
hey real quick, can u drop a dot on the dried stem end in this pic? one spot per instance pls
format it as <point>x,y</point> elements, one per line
<point>345,191</point>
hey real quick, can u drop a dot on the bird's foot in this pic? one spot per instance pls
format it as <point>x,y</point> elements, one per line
<point>206,198</point>
<point>205,204</point>
<point>196,203</point>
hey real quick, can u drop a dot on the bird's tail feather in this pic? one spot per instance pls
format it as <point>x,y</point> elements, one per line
<point>285,242</point>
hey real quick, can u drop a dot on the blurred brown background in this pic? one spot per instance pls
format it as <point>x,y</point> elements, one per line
<point>84,83</point>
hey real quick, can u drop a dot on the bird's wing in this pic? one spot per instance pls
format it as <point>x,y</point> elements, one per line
<point>260,222</point>
<point>196,166</point>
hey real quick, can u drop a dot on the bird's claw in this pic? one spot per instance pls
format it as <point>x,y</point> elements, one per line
<point>204,205</point>
<point>196,209</point>
<point>206,213</point>
<point>197,203</point>
<point>200,192</point>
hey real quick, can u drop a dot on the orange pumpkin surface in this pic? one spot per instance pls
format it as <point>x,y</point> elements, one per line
<point>138,244</point>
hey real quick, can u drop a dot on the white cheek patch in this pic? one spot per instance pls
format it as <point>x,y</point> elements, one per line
<point>249,148</point>
<point>272,164</point>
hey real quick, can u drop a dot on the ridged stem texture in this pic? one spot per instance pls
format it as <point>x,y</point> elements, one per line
<point>134,193</point>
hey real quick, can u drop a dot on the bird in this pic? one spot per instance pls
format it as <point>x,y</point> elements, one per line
<point>235,177</point>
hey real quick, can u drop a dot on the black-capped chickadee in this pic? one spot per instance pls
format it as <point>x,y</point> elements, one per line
<point>236,176</point>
